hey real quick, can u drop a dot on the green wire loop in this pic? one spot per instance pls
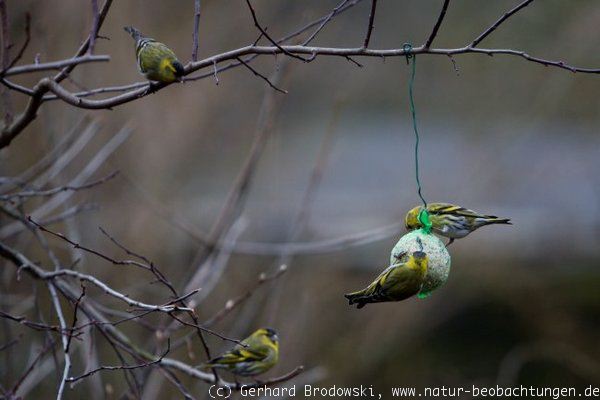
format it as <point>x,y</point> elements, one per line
<point>425,221</point>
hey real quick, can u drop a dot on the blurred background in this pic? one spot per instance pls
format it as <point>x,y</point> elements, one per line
<point>334,178</point>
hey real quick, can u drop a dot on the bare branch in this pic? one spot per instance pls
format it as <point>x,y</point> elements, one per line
<point>269,38</point>
<point>437,25</point>
<point>87,249</point>
<point>38,326</point>
<point>24,263</point>
<point>496,24</point>
<point>195,373</point>
<point>138,90</point>
<point>5,61</point>
<point>95,26</point>
<point>29,68</point>
<point>65,337</point>
<point>51,192</point>
<point>86,43</point>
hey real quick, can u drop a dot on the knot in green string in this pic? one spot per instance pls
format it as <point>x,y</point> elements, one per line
<point>407,48</point>
<point>425,221</point>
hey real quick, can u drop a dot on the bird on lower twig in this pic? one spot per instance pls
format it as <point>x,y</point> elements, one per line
<point>255,355</point>
<point>395,283</point>
<point>451,221</point>
<point>155,60</point>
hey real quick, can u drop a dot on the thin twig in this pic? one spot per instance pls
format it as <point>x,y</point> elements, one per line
<point>195,373</point>
<point>370,26</point>
<point>255,72</point>
<point>496,24</point>
<point>29,68</point>
<point>87,249</point>
<point>38,326</point>
<point>85,45</point>
<point>95,26</point>
<point>122,367</point>
<point>51,192</point>
<point>437,25</point>
<point>65,337</point>
<point>233,303</point>
<point>207,330</point>
<point>215,73</point>
<point>23,47</point>
<point>196,29</point>
<point>75,309</point>
<point>5,46</point>
<point>325,21</point>
<point>269,38</point>
<point>24,263</point>
<point>47,347</point>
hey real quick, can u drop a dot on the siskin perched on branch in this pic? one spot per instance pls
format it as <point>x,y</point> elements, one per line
<point>397,282</point>
<point>258,354</point>
<point>453,222</point>
<point>155,60</point>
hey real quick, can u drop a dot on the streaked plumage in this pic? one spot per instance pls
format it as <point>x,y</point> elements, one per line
<point>260,354</point>
<point>155,60</point>
<point>395,283</point>
<point>451,221</point>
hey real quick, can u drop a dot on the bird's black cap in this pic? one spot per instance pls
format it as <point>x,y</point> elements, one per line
<point>419,254</point>
<point>179,70</point>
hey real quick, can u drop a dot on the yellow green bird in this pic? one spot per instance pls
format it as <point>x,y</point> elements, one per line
<point>155,60</point>
<point>257,354</point>
<point>397,282</point>
<point>451,221</point>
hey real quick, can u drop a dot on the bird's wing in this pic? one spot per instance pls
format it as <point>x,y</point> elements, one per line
<point>401,279</point>
<point>240,354</point>
<point>451,209</point>
<point>377,285</point>
<point>151,55</point>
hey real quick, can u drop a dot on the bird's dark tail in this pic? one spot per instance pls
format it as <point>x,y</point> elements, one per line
<point>496,220</point>
<point>356,298</point>
<point>135,34</point>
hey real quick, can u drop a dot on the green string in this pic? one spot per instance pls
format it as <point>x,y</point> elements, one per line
<point>423,214</point>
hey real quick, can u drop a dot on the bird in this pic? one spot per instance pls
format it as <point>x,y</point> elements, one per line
<point>256,354</point>
<point>155,60</point>
<point>395,283</point>
<point>451,221</point>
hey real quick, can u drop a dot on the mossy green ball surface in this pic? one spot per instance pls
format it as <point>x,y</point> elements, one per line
<point>438,258</point>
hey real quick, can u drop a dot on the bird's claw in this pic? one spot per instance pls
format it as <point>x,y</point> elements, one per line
<point>152,87</point>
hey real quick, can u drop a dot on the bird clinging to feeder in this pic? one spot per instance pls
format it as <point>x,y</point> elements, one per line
<point>451,221</point>
<point>397,282</point>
